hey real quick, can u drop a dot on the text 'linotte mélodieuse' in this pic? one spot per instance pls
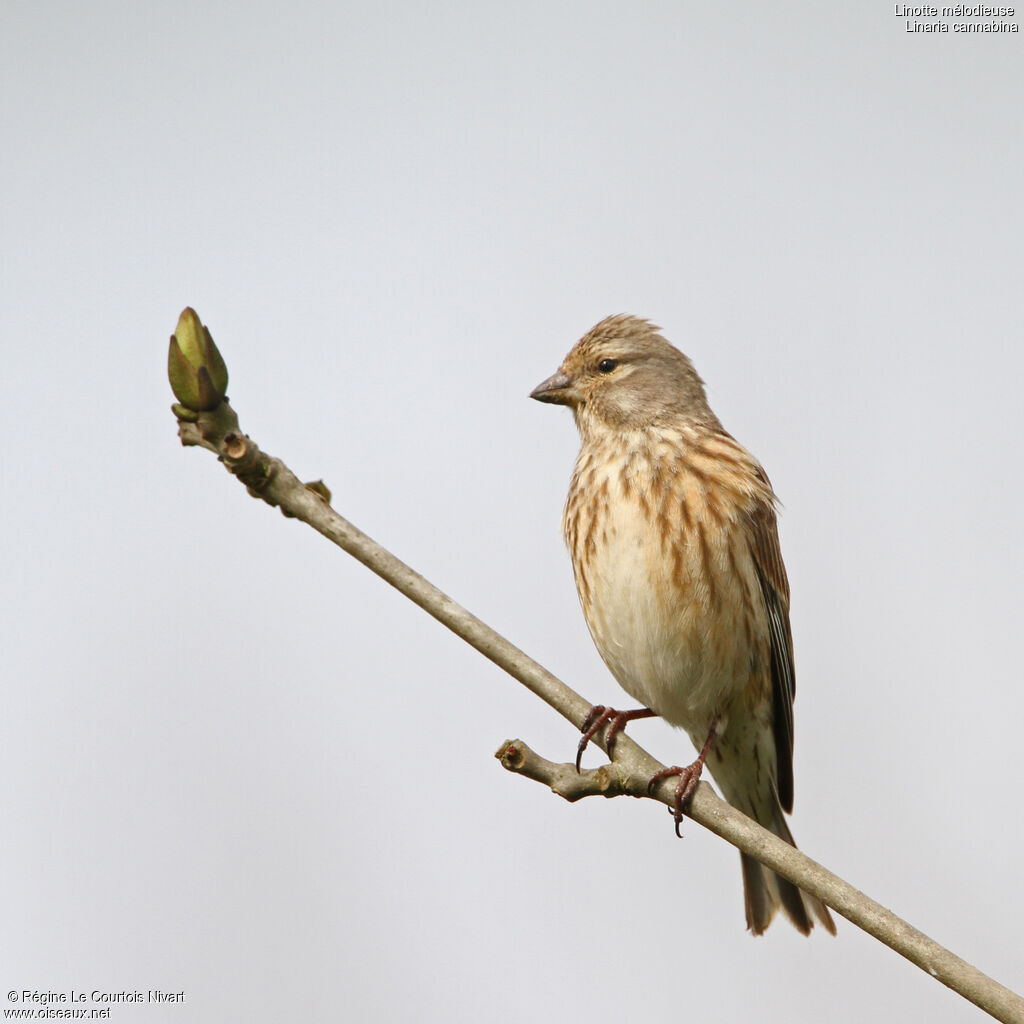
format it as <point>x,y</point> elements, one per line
<point>957,11</point>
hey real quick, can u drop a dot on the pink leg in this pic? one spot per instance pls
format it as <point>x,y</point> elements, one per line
<point>688,779</point>
<point>598,717</point>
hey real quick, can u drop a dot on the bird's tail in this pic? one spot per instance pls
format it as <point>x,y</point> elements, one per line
<point>764,891</point>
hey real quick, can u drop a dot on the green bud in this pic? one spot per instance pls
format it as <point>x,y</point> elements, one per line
<point>198,376</point>
<point>183,413</point>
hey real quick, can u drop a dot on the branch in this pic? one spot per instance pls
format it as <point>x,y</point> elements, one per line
<point>270,480</point>
<point>724,820</point>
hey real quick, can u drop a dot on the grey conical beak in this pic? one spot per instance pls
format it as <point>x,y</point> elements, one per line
<point>557,389</point>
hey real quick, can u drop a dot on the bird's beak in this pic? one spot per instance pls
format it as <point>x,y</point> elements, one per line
<point>557,389</point>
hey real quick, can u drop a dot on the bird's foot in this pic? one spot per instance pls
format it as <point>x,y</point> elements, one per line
<point>598,717</point>
<point>686,786</point>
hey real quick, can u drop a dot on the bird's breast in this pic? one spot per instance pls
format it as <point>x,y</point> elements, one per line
<point>666,579</point>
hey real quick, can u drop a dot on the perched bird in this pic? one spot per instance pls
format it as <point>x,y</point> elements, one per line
<point>671,527</point>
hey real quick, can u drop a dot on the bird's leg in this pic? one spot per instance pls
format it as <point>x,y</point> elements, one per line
<point>688,779</point>
<point>598,717</point>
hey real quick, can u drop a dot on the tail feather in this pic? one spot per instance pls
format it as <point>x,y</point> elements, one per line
<point>764,892</point>
<point>741,764</point>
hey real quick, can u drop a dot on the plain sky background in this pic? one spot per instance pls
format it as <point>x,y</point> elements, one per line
<point>235,763</point>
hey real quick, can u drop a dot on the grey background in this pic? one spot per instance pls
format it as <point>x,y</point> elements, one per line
<point>234,763</point>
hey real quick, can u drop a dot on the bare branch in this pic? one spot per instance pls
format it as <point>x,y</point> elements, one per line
<point>563,779</point>
<point>724,820</point>
<point>270,480</point>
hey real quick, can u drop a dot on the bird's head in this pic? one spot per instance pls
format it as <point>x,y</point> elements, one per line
<point>623,375</point>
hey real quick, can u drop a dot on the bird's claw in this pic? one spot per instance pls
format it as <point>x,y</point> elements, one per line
<point>685,787</point>
<point>598,717</point>
<point>688,779</point>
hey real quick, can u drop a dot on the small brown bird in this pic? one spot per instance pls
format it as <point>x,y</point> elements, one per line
<point>671,527</point>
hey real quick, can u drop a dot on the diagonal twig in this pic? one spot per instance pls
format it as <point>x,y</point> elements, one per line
<point>270,479</point>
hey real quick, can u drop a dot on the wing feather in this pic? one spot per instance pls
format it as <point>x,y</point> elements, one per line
<point>771,574</point>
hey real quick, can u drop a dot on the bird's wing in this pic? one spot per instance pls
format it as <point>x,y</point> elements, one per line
<point>771,574</point>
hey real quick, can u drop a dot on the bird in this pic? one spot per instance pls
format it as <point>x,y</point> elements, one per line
<point>671,528</point>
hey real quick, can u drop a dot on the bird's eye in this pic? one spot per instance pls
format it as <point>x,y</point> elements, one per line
<point>607,365</point>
